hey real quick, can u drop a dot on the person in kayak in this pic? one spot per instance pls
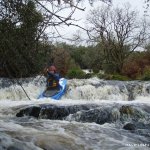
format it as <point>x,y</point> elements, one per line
<point>52,78</point>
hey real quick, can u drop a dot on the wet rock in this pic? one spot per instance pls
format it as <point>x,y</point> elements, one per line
<point>52,111</point>
<point>134,89</point>
<point>128,110</point>
<point>132,113</point>
<point>129,126</point>
<point>81,113</point>
<point>13,148</point>
<point>31,111</point>
<point>98,115</point>
<point>142,125</point>
<point>139,128</point>
<point>148,89</point>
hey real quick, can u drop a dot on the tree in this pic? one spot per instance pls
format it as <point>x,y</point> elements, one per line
<point>119,31</point>
<point>61,58</point>
<point>19,21</point>
<point>58,13</point>
<point>22,28</point>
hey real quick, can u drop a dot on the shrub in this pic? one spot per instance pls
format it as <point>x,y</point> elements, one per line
<point>109,68</point>
<point>146,74</point>
<point>95,70</point>
<point>119,77</point>
<point>135,65</point>
<point>113,77</point>
<point>101,76</point>
<point>76,73</point>
<point>131,69</point>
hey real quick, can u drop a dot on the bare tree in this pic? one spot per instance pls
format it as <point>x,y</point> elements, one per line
<point>58,13</point>
<point>118,30</point>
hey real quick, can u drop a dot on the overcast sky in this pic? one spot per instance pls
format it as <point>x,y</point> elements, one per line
<point>81,15</point>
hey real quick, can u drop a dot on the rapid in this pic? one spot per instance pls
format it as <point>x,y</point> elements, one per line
<point>94,114</point>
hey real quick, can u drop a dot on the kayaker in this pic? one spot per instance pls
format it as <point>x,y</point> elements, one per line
<point>52,77</point>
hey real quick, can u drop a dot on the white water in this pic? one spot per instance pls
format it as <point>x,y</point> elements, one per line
<point>40,134</point>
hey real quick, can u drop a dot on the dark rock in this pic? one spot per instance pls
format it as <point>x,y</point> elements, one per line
<point>128,110</point>
<point>134,88</point>
<point>142,125</point>
<point>133,113</point>
<point>87,113</point>
<point>98,115</point>
<point>31,111</point>
<point>129,126</point>
<point>52,111</point>
<point>139,128</point>
<point>148,89</point>
<point>13,148</point>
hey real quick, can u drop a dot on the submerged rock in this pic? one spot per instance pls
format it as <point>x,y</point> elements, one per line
<point>129,126</point>
<point>139,128</point>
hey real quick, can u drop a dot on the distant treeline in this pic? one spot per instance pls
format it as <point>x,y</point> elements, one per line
<point>136,66</point>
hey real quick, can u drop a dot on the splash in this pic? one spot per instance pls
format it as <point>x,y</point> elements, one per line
<point>78,89</point>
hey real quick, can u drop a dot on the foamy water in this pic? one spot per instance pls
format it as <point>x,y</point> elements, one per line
<point>37,134</point>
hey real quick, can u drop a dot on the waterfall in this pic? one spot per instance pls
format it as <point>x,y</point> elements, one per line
<point>79,89</point>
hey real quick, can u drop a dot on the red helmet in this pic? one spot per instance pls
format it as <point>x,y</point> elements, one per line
<point>52,68</point>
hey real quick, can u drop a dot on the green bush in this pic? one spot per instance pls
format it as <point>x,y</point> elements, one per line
<point>113,77</point>
<point>146,74</point>
<point>101,76</point>
<point>76,73</point>
<point>119,77</point>
<point>95,70</point>
<point>109,68</point>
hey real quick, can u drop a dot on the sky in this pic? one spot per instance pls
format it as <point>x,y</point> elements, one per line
<point>68,32</point>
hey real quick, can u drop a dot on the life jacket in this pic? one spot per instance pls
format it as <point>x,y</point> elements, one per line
<point>52,82</point>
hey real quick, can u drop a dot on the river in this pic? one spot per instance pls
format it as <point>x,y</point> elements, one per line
<point>94,114</point>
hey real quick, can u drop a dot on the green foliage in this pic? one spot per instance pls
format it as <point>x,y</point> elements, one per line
<point>19,38</point>
<point>146,74</point>
<point>89,57</point>
<point>95,70</point>
<point>135,65</point>
<point>76,73</point>
<point>109,68</point>
<point>113,77</point>
<point>102,76</point>
<point>119,77</point>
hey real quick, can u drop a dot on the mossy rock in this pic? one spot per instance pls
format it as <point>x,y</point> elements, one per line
<point>128,110</point>
<point>134,113</point>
